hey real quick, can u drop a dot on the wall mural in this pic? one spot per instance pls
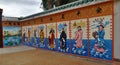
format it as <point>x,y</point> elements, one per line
<point>51,35</point>
<point>72,37</point>
<point>12,35</point>
<point>79,37</point>
<point>34,35</point>
<point>63,36</point>
<point>100,37</point>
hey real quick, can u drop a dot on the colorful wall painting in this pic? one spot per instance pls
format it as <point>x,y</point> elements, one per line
<point>63,38</point>
<point>51,35</point>
<point>101,37</point>
<point>79,37</point>
<point>12,35</point>
<point>72,37</point>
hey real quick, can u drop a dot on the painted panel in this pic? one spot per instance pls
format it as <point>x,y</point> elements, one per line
<point>34,36</point>
<point>51,36</point>
<point>42,40</point>
<point>12,35</point>
<point>28,35</point>
<point>24,35</point>
<point>63,37</point>
<point>101,37</point>
<point>79,38</point>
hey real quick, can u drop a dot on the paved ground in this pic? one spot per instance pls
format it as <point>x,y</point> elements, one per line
<point>15,49</point>
<point>44,57</point>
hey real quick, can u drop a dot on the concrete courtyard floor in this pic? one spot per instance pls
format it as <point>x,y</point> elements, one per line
<point>45,57</point>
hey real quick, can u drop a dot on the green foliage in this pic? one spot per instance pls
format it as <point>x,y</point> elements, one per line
<point>56,3</point>
<point>45,5</point>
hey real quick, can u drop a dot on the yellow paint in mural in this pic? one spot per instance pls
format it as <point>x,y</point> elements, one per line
<point>77,23</point>
<point>29,33</point>
<point>41,33</point>
<point>51,26</point>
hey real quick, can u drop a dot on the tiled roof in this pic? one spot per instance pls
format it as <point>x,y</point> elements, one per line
<point>4,18</point>
<point>64,7</point>
<point>73,5</point>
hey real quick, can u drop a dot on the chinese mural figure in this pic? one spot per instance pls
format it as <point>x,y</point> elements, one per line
<point>63,38</point>
<point>100,37</point>
<point>51,38</point>
<point>41,36</point>
<point>29,35</point>
<point>78,37</point>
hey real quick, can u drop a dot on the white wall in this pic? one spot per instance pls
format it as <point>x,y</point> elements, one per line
<point>117,29</point>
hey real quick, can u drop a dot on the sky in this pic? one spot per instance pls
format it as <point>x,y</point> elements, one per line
<point>20,8</point>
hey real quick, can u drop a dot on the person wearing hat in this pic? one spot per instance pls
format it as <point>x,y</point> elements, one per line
<point>99,46</point>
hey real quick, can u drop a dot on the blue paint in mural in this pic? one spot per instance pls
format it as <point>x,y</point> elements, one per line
<point>26,41</point>
<point>100,47</point>
<point>83,51</point>
<point>54,45</point>
<point>67,48</point>
<point>39,44</point>
<point>99,22</point>
<point>106,55</point>
<point>63,43</point>
<point>12,35</point>
<point>61,26</point>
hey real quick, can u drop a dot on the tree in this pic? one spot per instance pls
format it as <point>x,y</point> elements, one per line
<point>49,4</point>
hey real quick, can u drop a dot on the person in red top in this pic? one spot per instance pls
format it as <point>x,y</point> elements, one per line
<point>51,38</point>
